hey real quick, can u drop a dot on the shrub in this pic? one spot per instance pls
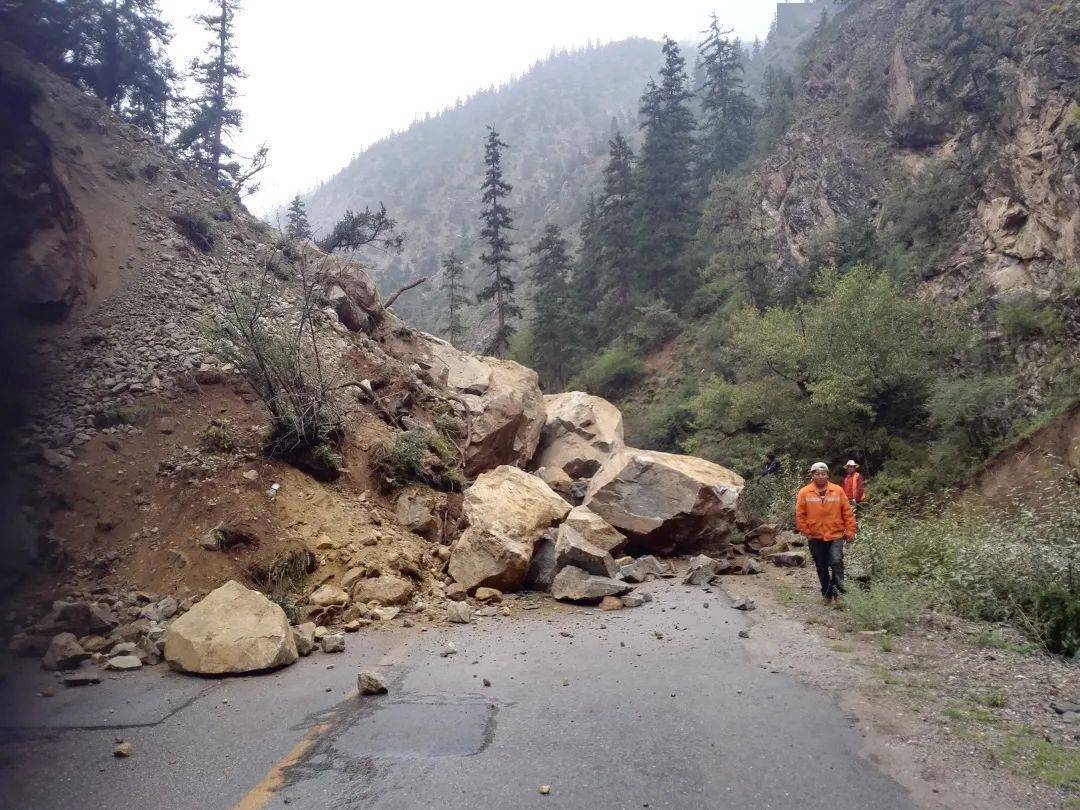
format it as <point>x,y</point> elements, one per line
<point>664,423</point>
<point>286,572</point>
<point>219,438</point>
<point>419,455</point>
<point>885,605</point>
<point>1026,317</point>
<point>656,323</point>
<point>610,375</point>
<point>196,228</point>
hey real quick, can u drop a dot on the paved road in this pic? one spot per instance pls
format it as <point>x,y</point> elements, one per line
<point>610,717</point>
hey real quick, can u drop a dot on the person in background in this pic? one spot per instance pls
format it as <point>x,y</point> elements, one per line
<point>824,516</point>
<point>854,486</point>
<point>771,465</point>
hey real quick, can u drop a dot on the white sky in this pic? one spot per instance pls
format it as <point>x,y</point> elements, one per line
<point>325,78</point>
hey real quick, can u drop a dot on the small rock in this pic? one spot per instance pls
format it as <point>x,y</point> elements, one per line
<point>251,475</point>
<point>81,679</point>
<point>611,603</point>
<point>744,634</point>
<point>632,600</point>
<point>370,683</point>
<point>124,663</point>
<point>123,750</point>
<point>351,627</point>
<point>333,643</point>
<point>64,653</point>
<point>456,592</point>
<point>745,604</point>
<point>448,650</point>
<point>459,613</point>
<point>304,636</point>
<point>487,682</point>
<point>488,595</point>
<point>545,790</point>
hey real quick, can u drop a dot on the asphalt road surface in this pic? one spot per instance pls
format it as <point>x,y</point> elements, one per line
<point>593,704</point>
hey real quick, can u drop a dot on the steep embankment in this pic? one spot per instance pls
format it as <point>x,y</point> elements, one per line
<point>557,119</point>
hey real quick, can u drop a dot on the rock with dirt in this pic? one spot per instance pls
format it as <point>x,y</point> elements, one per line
<point>665,503</point>
<point>304,638</point>
<point>421,511</point>
<point>507,510</point>
<point>572,584</point>
<point>385,589</point>
<point>124,663</point>
<point>702,570</point>
<point>233,630</point>
<point>573,549</point>
<point>596,530</point>
<point>645,568</point>
<point>505,409</point>
<point>459,613</point>
<point>740,566</point>
<point>328,595</point>
<point>370,683</point>
<point>488,595</point>
<point>581,432</point>
<point>632,600</point>
<point>788,559</point>
<point>64,652</point>
<point>332,643</point>
<point>611,603</point>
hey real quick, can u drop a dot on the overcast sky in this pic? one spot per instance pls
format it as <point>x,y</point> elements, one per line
<point>325,78</point>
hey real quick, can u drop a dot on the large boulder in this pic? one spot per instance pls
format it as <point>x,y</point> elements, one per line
<point>505,409</point>
<point>573,549</point>
<point>507,510</point>
<point>575,585</point>
<point>596,530</point>
<point>666,504</point>
<point>234,629</point>
<point>386,589</point>
<point>421,510</point>
<point>580,433</point>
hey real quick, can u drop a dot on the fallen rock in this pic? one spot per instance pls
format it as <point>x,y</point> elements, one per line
<point>421,511</point>
<point>456,592</point>
<point>573,549</point>
<point>124,663</point>
<point>332,643</point>
<point>742,566</point>
<point>788,559</point>
<point>386,589</point>
<point>744,634</point>
<point>327,595</point>
<point>234,629</point>
<point>488,595</point>
<point>304,638</point>
<point>507,510</point>
<point>370,683</point>
<point>123,750</point>
<point>596,530</point>
<point>81,678</point>
<point>745,604</point>
<point>543,567</point>
<point>459,612</point>
<point>574,585</point>
<point>632,600</point>
<point>702,569</point>
<point>580,433</point>
<point>665,503</point>
<point>64,652</point>
<point>611,603</point>
<point>645,568</point>
<point>560,482</point>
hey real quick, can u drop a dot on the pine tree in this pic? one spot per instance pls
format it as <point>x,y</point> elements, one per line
<point>665,199</point>
<point>725,140</point>
<point>615,227</point>
<point>585,280</point>
<point>778,93</point>
<point>214,118</point>
<point>454,286</point>
<point>498,221</point>
<point>551,321</point>
<point>297,226</point>
<point>131,73</point>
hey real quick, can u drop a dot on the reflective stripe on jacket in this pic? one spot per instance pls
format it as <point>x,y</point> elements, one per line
<point>824,516</point>
<point>853,486</point>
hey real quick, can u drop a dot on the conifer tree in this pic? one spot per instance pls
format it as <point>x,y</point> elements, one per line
<point>131,71</point>
<point>615,227</point>
<point>454,287</point>
<point>551,321</point>
<point>778,93</point>
<point>213,117</point>
<point>727,111</point>
<point>585,280</point>
<point>297,226</point>
<point>664,195</point>
<point>498,222</point>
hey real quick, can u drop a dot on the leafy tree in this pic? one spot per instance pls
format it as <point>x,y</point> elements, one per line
<point>297,226</point>
<point>725,140</point>
<point>498,221</point>
<point>778,93</point>
<point>358,230</point>
<point>665,198</point>
<point>214,117</point>
<point>453,285</point>
<point>615,233</point>
<point>551,321</point>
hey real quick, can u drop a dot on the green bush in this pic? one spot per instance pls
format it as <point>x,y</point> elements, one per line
<point>196,228</point>
<point>664,423</point>
<point>419,455</point>
<point>609,375</point>
<point>656,324</point>
<point>885,605</point>
<point>1026,317</point>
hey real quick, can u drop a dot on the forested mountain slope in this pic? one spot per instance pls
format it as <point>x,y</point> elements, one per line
<point>557,119</point>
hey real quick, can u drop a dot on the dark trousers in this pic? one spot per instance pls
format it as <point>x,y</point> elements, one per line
<point>829,560</point>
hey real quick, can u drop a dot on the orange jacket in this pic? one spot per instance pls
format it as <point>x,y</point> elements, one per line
<point>825,516</point>
<point>853,486</point>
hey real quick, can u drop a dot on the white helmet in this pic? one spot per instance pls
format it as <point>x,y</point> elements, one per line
<point>819,465</point>
<point>851,463</point>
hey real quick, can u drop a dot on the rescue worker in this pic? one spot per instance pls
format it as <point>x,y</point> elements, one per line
<point>823,515</point>
<point>854,486</point>
<point>771,465</point>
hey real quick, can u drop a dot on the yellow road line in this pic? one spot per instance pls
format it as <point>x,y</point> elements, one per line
<point>258,796</point>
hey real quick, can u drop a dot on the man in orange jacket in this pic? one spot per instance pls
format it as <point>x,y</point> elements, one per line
<point>854,486</point>
<point>823,515</point>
